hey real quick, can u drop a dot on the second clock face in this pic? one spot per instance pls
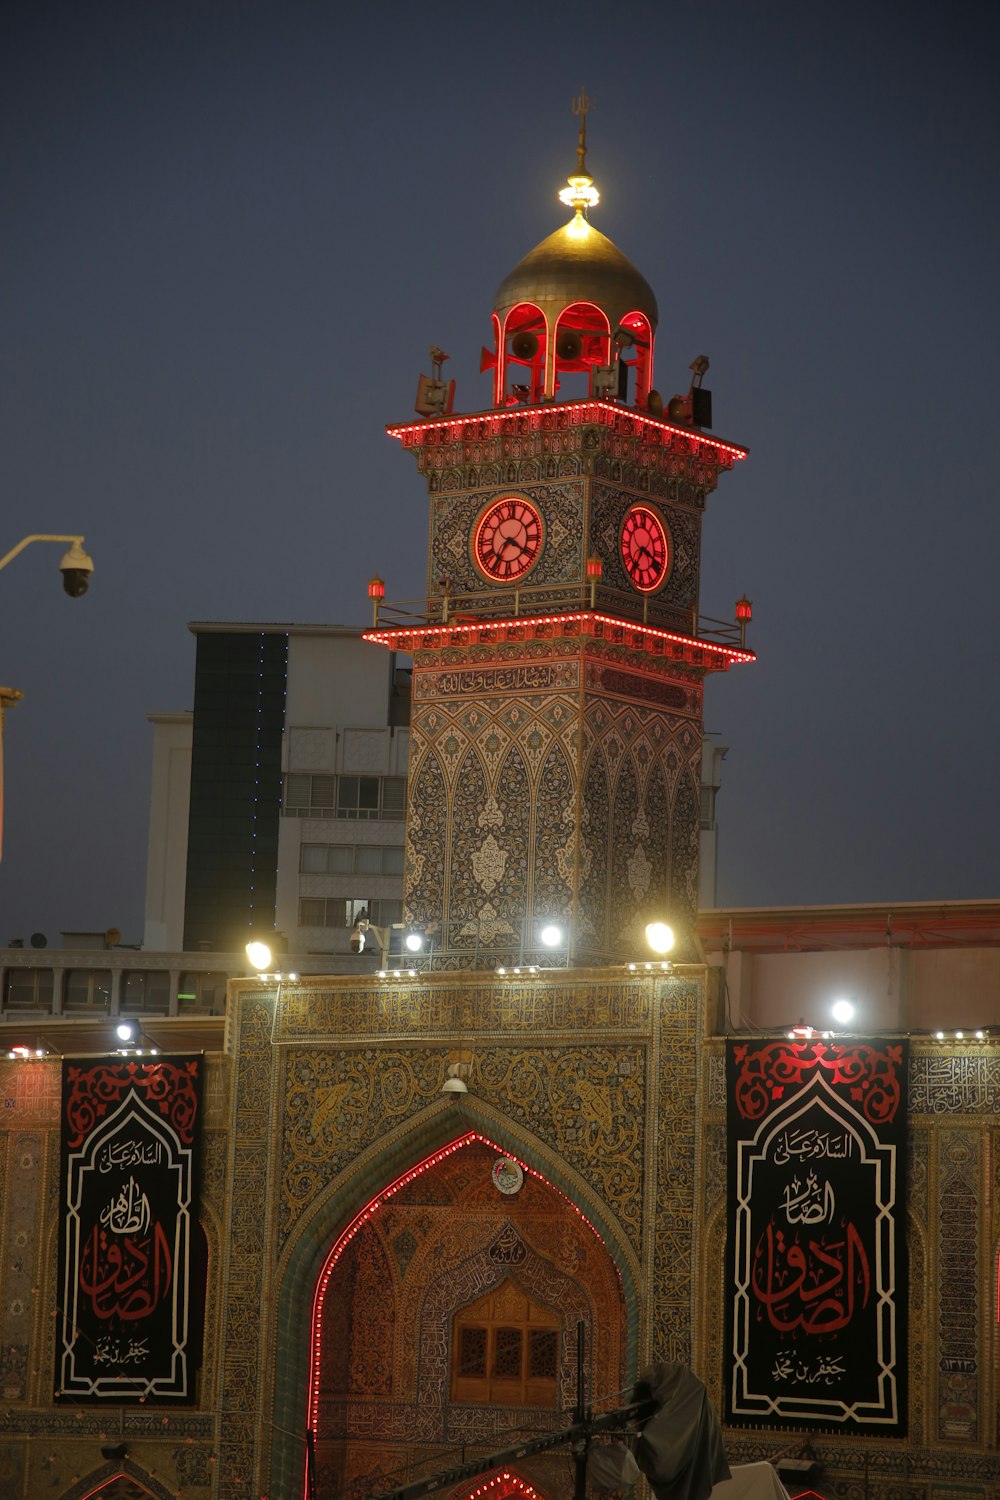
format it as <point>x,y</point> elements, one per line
<point>508,539</point>
<point>645,548</point>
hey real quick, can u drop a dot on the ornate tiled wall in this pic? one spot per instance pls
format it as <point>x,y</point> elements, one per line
<point>598,1081</point>
<point>589,1078</point>
<point>555,780</point>
<point>50,1451</point>
<point>952,1241</point>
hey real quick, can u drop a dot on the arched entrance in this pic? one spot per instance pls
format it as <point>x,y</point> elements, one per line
<point>503,1484</point>
<point>114,1482</point>
<point>389,1292</point>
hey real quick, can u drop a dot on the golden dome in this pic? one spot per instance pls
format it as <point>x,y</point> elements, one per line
<point>577,264</point>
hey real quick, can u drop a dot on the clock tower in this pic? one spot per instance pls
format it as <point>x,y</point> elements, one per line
<point>559,656</point>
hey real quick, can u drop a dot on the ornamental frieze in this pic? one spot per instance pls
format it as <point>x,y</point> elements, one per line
<point>605,679</point>
<point>567,424</point>
<point>502,1008</point>
<point>941,1083</point>
<point>466,653</point>
<point>541,677</point>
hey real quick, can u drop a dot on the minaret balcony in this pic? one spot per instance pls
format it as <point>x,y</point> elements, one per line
<point>579,610</point>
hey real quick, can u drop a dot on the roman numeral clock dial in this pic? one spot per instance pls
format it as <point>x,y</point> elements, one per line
<point>507,539</point>
<point>645,548</point>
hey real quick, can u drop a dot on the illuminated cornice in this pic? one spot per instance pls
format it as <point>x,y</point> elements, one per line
<point>559,416</point>
<point>706,655</point>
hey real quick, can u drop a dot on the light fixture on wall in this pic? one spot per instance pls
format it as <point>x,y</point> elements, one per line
<point>843,1011</point>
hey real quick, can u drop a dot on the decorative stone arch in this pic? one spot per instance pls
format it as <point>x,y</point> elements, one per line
<point>338,1213</point>
<point>116,1479</point>
<point>502,1484</point>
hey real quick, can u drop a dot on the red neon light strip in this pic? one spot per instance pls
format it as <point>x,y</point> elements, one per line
<point>502,1484</point>
<point>588,410</point>
<point>471,1137</point>
<point>631,627</point>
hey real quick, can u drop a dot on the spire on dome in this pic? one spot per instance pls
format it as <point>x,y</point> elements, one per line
<point>581,193</point>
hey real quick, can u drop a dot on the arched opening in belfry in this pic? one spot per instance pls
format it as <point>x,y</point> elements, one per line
<point>447,1314</point>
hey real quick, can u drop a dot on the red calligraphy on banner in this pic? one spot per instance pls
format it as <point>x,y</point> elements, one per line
<point>124,1277</point>
<point>811,1283</point>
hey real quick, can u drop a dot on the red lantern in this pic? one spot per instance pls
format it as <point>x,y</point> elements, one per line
<point>376,592</point>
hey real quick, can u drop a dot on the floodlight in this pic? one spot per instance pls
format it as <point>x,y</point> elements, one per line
<point>660,937</point>
<point>259,954</point>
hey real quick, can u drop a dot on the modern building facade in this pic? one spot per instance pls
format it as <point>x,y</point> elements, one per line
<point>279,803</point>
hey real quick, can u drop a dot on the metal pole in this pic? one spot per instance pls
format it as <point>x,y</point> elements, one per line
<point>579,1417</point>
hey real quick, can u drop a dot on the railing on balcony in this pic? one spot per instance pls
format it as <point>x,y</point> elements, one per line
<point>530,600</point>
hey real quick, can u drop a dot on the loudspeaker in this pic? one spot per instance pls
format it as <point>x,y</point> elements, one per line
<point>524,346</point>
<point>569,344</point>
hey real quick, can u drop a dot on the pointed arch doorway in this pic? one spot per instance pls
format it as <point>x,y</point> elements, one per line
<point>445,1316</point>
<point>116,1484</point>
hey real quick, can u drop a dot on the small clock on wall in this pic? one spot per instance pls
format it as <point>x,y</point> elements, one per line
<point>645,546</point>
<point>507,539</point>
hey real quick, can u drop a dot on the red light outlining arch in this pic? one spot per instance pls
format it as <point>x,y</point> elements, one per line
<point>147,1484</point>
<point>112,1479</point>
<point>470,1138</point>
<point>638,323</point>
<point>512,323</point>
<point>498,1486</point>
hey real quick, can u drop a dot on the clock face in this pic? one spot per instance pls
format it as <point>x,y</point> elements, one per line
<point>508,539</point>
<point>645,548</point>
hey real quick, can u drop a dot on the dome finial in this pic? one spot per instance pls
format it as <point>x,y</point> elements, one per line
<point>581,193</point>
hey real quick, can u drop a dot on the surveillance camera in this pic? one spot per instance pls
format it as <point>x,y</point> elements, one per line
<point>76,568</point>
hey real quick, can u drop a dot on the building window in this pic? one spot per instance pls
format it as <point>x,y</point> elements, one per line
<point>146,991</point>
<point>340,911</point>
<point>351,859</point>
<point>87,989</point>
<point>202,994</point>
<point>27,989</point>
<point>345,796</point>
<point>505,1350</point>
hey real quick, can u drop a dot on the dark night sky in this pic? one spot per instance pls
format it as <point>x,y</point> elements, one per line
<point>231,232</point>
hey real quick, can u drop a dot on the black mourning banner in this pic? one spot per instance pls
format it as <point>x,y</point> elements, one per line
<point>816,1249</point>
<point>128,1300</point>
